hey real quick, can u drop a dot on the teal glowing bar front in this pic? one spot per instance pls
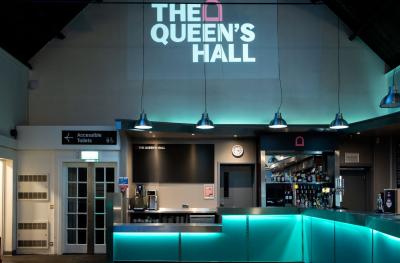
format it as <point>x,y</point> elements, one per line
<point>146,246</point>
<point>263,238</point>
<point>275,238</point>
<point>353,244</point>
<point>307,245</point>
<point>229,245</point>
<point>322,241</point>
<point>386,248</point>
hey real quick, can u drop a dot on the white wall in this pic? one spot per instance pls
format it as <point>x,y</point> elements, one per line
<point>9,155</point>
<point>40,152</point>
<point>14,93</point>
<point>174,195</point>
<point>94,75</point>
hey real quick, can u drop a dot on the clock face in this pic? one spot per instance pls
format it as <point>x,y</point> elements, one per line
<point>237,150</point>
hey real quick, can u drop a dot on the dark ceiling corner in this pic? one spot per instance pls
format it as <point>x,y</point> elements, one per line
<point>27,26</point>
<point>374,22</point>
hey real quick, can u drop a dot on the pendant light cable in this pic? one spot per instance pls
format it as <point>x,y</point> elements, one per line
<point>141,98</point>
<point>338,63</point>
<point>279,59</point>
<point>204,74</point>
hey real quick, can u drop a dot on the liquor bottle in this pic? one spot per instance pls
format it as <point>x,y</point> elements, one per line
<point>327,178</point>
<point>318,177</point>
<point>291,198</point>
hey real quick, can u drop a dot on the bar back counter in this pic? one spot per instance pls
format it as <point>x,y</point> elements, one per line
<point>261,234</point>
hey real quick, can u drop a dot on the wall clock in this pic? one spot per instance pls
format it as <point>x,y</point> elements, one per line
<point>237,150</point>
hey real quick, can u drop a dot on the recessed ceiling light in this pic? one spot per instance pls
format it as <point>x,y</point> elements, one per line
<point>235,135</point>
<point>358,133</point>
<point>192,134</point>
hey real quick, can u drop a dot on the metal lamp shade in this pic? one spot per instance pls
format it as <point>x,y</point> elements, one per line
<point>339,123</point>
<point>205,123</point>
<point>392,99</point>
<point>143,123</point>
<point>278,122</point>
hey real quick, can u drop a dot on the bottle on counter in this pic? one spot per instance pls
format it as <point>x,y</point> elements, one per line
<point>327,178</point>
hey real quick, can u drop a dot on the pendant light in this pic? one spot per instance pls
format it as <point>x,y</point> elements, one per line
<point>205,122</point>
<point>143,123</point>
<point>392,99</point>
<point>339,122</point>
<point>278,122</point>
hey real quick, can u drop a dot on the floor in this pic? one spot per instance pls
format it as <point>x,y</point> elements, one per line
<point>55,259</point>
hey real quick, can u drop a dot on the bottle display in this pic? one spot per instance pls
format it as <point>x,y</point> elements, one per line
<point>305,181</point>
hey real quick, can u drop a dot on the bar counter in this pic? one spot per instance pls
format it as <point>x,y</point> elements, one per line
<point>267,235</point>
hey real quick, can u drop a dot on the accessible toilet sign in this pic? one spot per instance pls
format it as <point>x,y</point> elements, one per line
<point>89,137</point>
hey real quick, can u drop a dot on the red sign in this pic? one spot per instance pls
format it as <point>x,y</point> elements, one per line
<point>299,142</point>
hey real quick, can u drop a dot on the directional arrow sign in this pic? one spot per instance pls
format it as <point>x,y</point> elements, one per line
<point>89,137</point>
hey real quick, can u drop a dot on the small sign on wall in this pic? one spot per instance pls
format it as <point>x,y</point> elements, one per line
<point>351,157</point>
<point>123,183</point>
<point>208,191</point>
<point>89,137</point>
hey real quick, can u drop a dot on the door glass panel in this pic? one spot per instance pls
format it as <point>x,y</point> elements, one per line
<point>72,190</point>
<point>82,190</point>
<point>77,205</point>
<point>81,236</point>
<point>110,188</point>
<point>82,175</point>
<point>99,189</point>
<point>99,221</point>
<point>110,175</point>
<point>82,205</point>
<point>99,236</point>
<point>71,205</point>
<point>72,174</point>
<point>71,236</point>
<point>99,174</point>
<point>71,221</point>
<point>82,221</point>
<point>99,205</point>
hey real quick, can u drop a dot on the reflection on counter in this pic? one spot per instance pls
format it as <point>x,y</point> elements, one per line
<point>175,216</point>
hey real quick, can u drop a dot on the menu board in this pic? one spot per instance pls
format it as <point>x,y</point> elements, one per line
<point>173,163</point>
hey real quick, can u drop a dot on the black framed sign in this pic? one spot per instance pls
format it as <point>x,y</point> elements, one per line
<point>89,137</point>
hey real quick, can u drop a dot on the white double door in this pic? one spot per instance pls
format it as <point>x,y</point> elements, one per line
<point>86,185</point>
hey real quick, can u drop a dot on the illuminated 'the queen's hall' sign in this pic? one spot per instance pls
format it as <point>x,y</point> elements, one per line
<point>212,40</point>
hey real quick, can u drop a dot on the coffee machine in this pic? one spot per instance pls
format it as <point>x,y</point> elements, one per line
<point>152,200</point>
<point>139,201</point>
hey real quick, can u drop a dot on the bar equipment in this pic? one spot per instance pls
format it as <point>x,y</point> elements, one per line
<point>379,203</point>
<point>339,191</point>
<point>139,201</point>
<point>152,200</point>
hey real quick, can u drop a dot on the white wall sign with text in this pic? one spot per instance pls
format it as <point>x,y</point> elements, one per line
<point>351,157</point>
<point>208,191</point>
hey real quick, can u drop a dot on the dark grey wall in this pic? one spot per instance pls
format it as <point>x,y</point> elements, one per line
<point>376,152</point>
<point>357,144</point>
<point>382,164</point>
